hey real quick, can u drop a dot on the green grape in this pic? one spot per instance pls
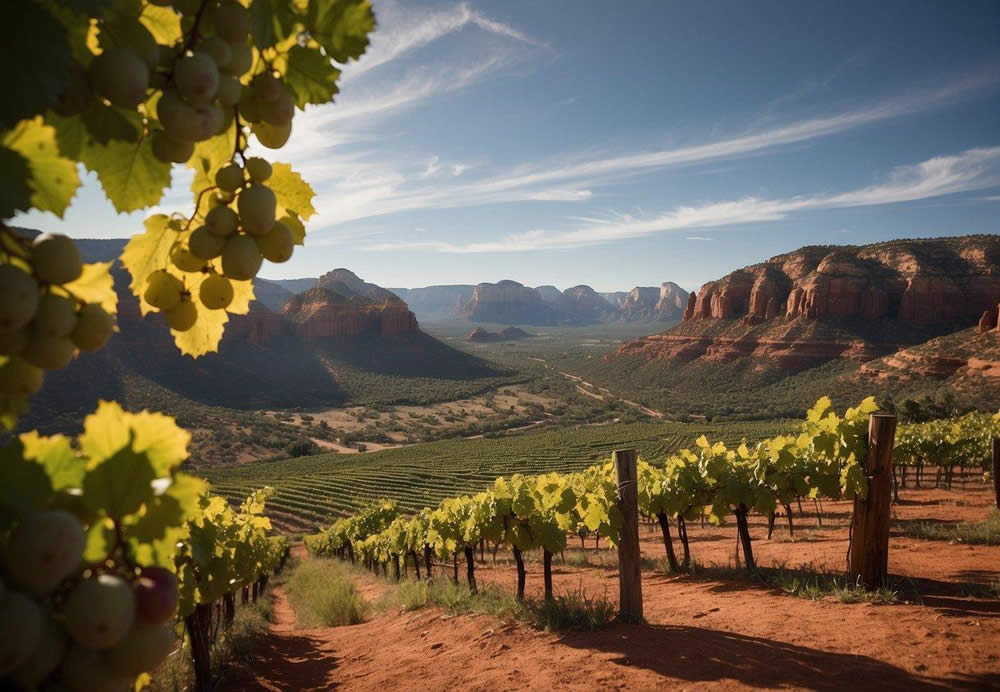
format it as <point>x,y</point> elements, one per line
<point>19,378</point>
<point>250,106</point>
<point>266,87</point>
<point>48,654</point>
<point>205,244</point>
<point>21,623</point>
<point>209,120</point>
<point>217,49</point>
<point>178,118</point>
<point>257,206</point>
<point>216,292</point>
<point>163,290</point>
<point>86,670</point>
<point>241,259</point>
<point>44,548</point>
<point>258,168</point>
<point>272,136</point>
<point>182,258</point>
<point>197,78</point>
<point>242,57</point>
<point>133,37</point>
<point>93,328</point>
<point>230,90</point>
<point>56,258</point>
<point>13,342</point>
<point>75,98</point>
<point>277,244</point>
<point>56,316</point>
<point>49,352</point>
<point>229,178</point>
<point>171,150</point>
<point>19,297</point>
<point>143,650</point>
<point>231,22</point>
<point>120,76</point>
<point>280,110</point>
<point>155,594</point>
<point>99,611</point>
<point>182,316</point>
<point>222,220</point>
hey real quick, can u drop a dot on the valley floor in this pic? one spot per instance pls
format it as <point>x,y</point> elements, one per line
<point>713,629</point>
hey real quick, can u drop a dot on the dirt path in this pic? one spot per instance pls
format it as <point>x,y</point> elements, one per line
<point>703,632</point>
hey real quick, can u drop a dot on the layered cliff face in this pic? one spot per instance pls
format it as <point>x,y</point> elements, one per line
<point>510,302</point>
<point>819,303</point>
<point>583,304</point>
<point>346,278</point>
<point>321,312</point>
<point>435,303</point>
<point>671,302</point>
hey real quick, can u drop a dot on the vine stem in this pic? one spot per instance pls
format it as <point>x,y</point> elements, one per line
<point>197,206</point>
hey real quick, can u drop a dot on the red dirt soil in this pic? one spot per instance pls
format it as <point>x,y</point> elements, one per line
<point>708,631</point>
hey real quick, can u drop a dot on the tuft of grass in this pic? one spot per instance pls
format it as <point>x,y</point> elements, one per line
<point>807,583</point>
<point>572,611</point>
<point>323,595</point>
<point>985,532</point>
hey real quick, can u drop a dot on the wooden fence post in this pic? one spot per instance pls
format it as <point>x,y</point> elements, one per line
<point>996,470</point>
<point>629,576</point>
<point>869,555</point>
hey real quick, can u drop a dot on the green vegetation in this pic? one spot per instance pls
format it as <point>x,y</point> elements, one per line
<point>317,489</point>
<point>811,584</point>
<point>323,595</point>
<point>985,532</point>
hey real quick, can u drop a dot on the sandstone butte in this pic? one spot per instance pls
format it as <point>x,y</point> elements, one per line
<point>823,302</point>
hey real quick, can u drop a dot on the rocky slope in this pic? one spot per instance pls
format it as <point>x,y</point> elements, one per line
<point>824,302</point>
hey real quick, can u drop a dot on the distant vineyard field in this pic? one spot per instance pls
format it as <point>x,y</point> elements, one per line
<point>311,491</point>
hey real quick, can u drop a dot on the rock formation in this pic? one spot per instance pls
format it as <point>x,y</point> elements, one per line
<point>823,302</point>
<point>321,312</point>
<point>672,301</point>
<point>355,285</point>
<point>436,303</point>
<point>508,302</point>
<point>480,334</point>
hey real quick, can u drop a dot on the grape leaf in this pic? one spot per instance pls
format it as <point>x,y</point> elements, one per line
<point>163,23</point>
<point>105,123</point>
<point>146,253</point>
<point>271,21</point>
<point>209,156</point>
<point>95,285</point>
<point>311,75</point>
<point>341,27</point>
<point>53,179</point>
<point>55,454</point>
<point>160,438</point>
<point>93,8</point>
<point>205,335</point>
<point>100,540</point>
<point>131,176</point>
<point>24,484</point>
<point>291,220</point>
<point>120,484</point>
<point>15,194</point>
<point>37,52</point>
<point>103,432</point>
<point>292,191</point>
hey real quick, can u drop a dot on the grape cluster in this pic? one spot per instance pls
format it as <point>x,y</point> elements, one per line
<point>88,629</point>
<point>42,325</point>
<point>229,246</point>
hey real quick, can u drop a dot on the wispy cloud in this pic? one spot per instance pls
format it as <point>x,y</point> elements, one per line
<point>401,31</point>
<point>575,177</point>
<point>974,169</point>
<point>699,237</point>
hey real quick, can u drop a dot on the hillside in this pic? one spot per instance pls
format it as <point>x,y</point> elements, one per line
<point>312,353</point>
<point>767,338</point>
<point>506,334</point>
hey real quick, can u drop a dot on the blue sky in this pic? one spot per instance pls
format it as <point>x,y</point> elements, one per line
<point>622,144</point>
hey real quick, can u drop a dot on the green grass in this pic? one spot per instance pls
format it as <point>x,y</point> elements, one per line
<point>322,594</point>
<point>572,611</point>
<point>811,584</point>
<point>317,489</point>
<point>986,532</point>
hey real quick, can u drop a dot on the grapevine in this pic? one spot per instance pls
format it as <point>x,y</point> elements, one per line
<point>110,552</point>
